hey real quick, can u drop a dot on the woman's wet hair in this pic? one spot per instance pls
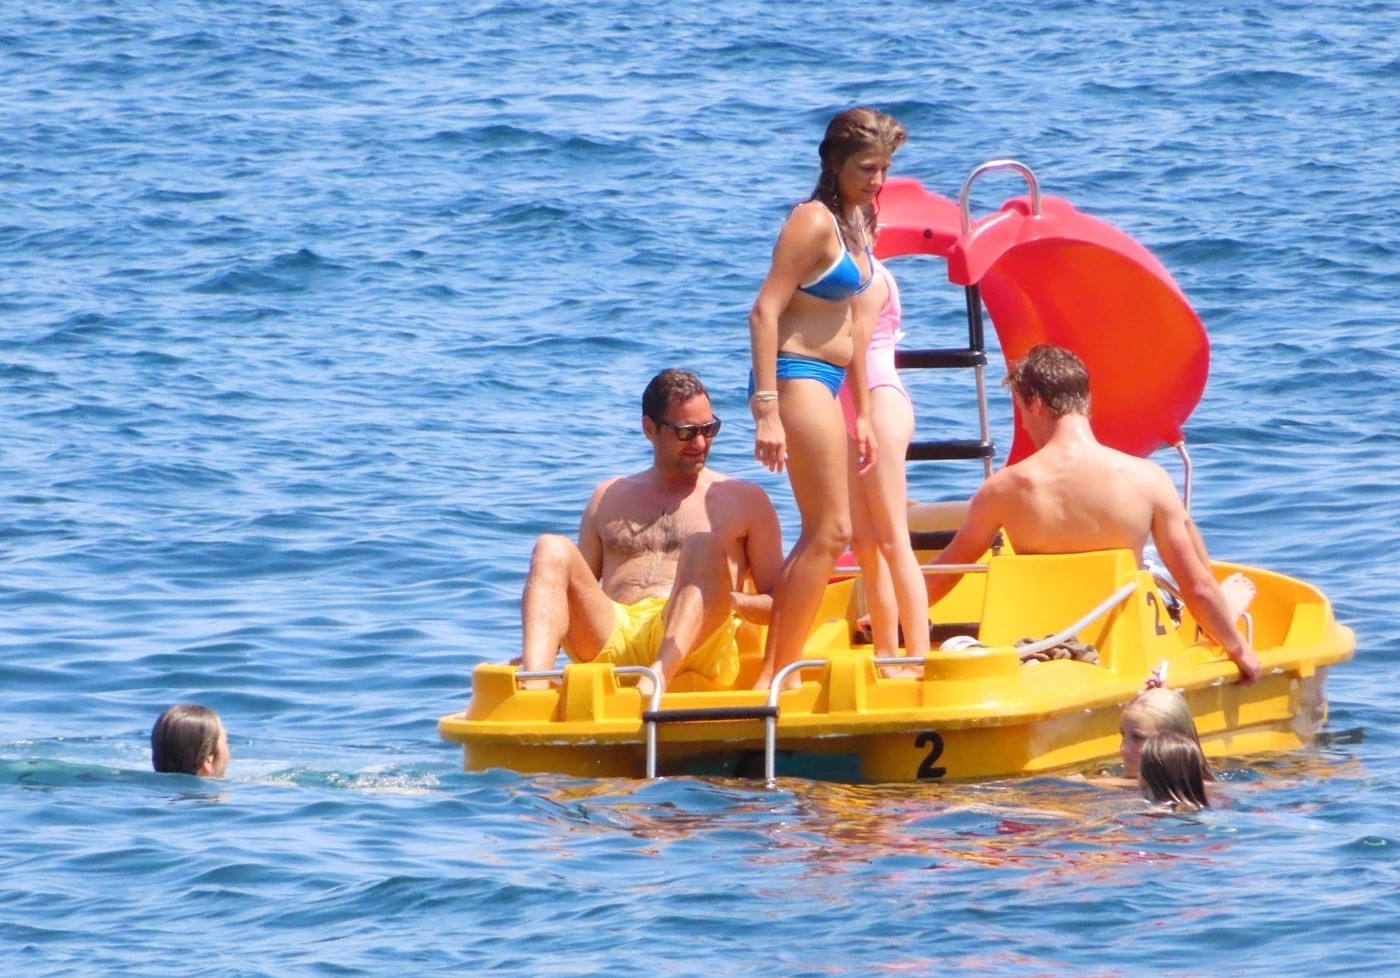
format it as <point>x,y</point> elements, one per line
<point>1053,376</point>
<point>1169,709</point>
<point>672,385</point>
<point>1174,770</point>
<point>183,738</point>
<point>858,130</point>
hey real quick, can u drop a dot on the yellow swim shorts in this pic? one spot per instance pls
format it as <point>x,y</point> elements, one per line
<point>636,637</point>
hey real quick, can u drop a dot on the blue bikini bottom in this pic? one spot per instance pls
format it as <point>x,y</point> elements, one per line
<point>795,366</point>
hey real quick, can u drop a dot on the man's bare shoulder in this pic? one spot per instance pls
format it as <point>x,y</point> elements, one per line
<point>715,477</point>
<point>1006,484</point>
<point>728,485</point>
<point>737,497</point>
<point>618,492</point>
<point>1149,477</point>
<point>1097,464</point>
<point>601,489</point>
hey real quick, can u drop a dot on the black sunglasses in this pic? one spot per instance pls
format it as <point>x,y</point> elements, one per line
<point>687,432</point>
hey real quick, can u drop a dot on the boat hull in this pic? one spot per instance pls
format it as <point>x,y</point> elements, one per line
<point>970,715</point>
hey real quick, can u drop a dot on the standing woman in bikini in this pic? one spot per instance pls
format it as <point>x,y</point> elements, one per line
<point>810,324</point>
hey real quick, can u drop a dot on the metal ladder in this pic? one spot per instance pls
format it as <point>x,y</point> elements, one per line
<point>973,356</point>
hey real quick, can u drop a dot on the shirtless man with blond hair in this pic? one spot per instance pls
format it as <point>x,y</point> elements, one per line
<point>1074,495</point>
<point>657,576</point>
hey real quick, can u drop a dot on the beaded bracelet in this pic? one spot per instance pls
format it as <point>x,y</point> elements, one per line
<point>763,396</point>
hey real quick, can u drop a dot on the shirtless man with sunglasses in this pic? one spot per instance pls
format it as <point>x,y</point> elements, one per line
<point>657,576</point>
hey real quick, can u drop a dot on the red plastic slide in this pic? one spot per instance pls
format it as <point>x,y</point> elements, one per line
<point>1064,277</point>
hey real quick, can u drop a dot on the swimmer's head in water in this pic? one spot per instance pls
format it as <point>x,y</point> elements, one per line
<point>1174,770</point>
<point>1152,712</point>
<point>190,739</point>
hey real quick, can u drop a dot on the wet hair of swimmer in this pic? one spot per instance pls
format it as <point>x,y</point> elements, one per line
<point>1174,771</point>
<point>1169,711</point>
<point>183,738</point>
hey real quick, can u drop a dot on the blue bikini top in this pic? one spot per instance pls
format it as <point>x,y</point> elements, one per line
<point>842,279</point>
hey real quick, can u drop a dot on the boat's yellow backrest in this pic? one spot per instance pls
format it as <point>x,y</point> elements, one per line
<point>1035,595</point>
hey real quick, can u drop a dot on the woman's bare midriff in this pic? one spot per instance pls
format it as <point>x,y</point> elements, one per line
<point>812,327</point>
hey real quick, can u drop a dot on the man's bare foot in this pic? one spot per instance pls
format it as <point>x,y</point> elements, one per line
<point>765,682</point>
<point>902,672</point>
<point>546,683</point>
<point>1239,594</point>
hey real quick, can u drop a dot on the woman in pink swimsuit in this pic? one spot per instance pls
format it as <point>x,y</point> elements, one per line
<point>894,584</point>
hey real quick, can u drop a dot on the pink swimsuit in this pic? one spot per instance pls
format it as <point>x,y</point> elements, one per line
<point>879,355</point>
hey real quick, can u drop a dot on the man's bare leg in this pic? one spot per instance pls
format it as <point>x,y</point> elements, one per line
<point>561,598</point>
<point>699,602</point>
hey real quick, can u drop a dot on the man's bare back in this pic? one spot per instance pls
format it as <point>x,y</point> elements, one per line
<point>1075,495</point>
<point>1078,496</point>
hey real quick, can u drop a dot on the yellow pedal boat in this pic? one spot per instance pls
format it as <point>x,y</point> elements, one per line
<point>973,714</point>
<point>1044,272</point>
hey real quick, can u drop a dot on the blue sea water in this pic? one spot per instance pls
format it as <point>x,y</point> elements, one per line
<point>314,315</point>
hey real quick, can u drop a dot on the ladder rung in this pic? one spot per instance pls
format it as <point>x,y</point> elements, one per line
<point>939,539</point>
<point>703,714</point>
<point>930,539</point>
<point>925,451</point>
<point>939,359</point>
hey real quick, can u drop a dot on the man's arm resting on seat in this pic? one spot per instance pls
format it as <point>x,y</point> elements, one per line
<point>971,541</point>
<point>763,549</point>
<point>751,607</point>
<point>1180,547</point>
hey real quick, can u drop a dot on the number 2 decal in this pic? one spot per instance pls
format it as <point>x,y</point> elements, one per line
<point>934,743</point>
<point>1156,604</point>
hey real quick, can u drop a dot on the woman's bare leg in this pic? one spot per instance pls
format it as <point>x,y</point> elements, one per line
<point>865,544</point>
<point>887,496</point>
<point>816,465</point>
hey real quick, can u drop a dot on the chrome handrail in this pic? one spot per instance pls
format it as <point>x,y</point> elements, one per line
<point>770,724</point>
<point>1186,473</point>
<point>655,705</point>
<point>988,167</point>
<point>1117,597</point>
<point>617,671</point>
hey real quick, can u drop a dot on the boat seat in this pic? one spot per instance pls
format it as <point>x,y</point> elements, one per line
<point>1035,595</point>
<point>750,639</point>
